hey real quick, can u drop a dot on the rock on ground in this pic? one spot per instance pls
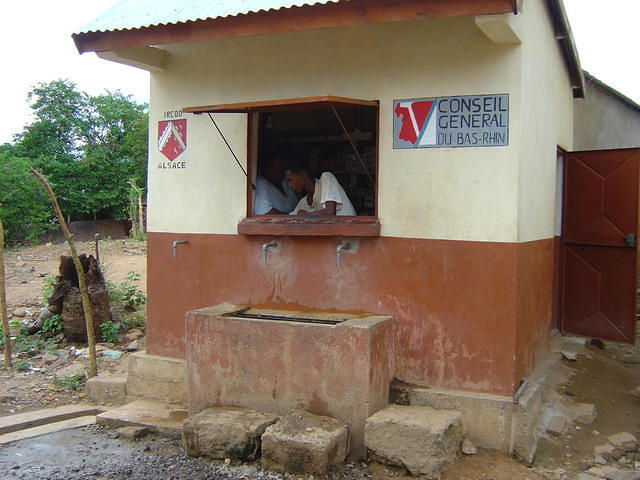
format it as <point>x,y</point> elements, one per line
<point>605,450</point>
<point>557,425</point>
<point>132,432</point>
<point>72,370</point>
<point>624,440</point>
<point>468,448</point>
<point>421,439</point>
<point>583,413</point>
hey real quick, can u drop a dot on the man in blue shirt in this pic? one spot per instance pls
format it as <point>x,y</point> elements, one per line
<point>273,194</point>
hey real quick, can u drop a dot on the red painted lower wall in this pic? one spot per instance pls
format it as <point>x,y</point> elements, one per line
<point>459,309</point>
<point>536,286</point>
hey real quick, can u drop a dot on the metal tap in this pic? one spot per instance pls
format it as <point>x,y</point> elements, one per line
<point>174,246</point>
<point>265,246</point>
<point>339,249</point>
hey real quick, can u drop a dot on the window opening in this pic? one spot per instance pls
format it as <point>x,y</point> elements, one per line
<point>342,142</point>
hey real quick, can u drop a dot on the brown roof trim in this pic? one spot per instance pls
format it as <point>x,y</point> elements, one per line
<point>567,45</point>
<point>306,103</point>
<point>590,79</point>
<point>308,17</point>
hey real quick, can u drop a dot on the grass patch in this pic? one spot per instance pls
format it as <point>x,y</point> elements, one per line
<point>72,383</point>
<point>21,365</point>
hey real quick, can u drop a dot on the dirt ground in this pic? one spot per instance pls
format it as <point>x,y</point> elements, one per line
<point>602,376</point>
<point>26,270</point>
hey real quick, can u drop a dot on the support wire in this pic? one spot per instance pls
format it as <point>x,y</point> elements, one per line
<point>231,150</point>
<point>353,145</point>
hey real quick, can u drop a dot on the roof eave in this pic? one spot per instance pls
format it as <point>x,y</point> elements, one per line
<point>307,17</point>
<point>564,37</point>
<point>590,79</point>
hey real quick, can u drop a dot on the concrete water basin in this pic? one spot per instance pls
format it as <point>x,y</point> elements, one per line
<point>333,364</point>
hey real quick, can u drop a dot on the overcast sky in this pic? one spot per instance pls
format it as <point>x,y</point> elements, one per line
<point>36,46</point>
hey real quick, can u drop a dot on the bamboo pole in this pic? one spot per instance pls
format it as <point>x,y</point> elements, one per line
<point>84,293</point>
<point>140,227</point>
<point>140,213</point>
<point>3,306</point>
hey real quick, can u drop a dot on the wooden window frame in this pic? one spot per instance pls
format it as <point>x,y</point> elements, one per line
<point>289,225</point>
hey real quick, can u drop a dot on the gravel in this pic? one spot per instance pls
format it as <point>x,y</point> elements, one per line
<point>96,452</point>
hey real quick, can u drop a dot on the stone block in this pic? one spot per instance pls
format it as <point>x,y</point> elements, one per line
<point>107,389</point>
<point>421,439</point>
<point>487,418</point>
<point>157,378</point>
<point>225,433</point>
<point>301,442</point>
<point>624,440</point>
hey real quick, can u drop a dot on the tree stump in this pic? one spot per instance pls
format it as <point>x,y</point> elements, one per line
<point>66,298</point>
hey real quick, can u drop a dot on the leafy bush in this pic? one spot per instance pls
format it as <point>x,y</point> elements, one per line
<point>109,331</point>
<point>127,291</point>
<point>47,288</point>
<point>134,320</point>
<point>53,324</point>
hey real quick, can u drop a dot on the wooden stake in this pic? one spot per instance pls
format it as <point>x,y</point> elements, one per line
<point>84,293</point>
<point>3,306</point>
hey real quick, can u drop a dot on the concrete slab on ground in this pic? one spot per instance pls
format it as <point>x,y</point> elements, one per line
<point>48,428</point>
<point>21,421</point>
<point>157,417</point>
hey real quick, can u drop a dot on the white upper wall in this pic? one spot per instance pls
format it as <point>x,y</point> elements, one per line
<point>545,124</point>
<point>438,193</point>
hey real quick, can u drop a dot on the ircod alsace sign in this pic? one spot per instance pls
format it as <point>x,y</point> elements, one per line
<point>465,121</point>
<point>172,142</point>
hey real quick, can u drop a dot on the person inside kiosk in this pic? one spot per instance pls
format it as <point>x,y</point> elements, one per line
<point>273,194</point>
<point>324,196</point>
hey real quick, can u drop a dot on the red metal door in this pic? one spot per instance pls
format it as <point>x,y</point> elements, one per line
<point>600,223</point>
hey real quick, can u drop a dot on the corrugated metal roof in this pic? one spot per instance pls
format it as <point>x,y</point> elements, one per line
<point>129,14</point>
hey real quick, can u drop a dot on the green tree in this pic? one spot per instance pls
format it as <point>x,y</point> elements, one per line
<point>25,213</point>
<point>87,146</point>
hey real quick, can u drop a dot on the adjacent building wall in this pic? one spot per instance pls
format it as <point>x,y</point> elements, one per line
<point>605,119</point>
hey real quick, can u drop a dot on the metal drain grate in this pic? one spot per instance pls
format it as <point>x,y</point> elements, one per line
<point>290,318</point>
